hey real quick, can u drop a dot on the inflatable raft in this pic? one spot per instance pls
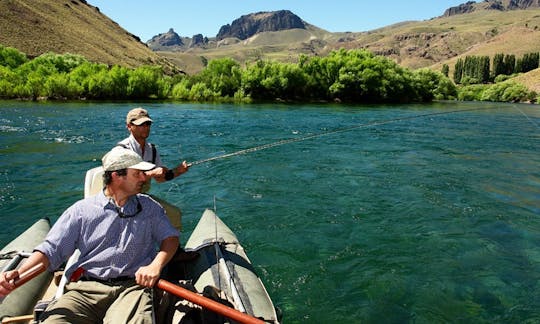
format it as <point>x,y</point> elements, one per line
<point>217,270</point>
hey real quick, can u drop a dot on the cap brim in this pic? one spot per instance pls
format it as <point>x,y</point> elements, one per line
<point>140,121</point>
<point>144,166</point>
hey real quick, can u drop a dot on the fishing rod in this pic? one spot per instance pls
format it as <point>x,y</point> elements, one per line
<point>335,131</point>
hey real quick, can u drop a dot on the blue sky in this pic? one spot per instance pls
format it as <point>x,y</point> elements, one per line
<point>148,18</point>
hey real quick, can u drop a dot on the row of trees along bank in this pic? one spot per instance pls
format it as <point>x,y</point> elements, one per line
<point>343,75</point>
<point>477,69</point>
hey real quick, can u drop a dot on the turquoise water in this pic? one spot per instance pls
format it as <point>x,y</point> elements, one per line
<point>419,220</point>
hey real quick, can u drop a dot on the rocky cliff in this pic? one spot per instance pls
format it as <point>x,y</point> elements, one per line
<point>500,5</point>
<point>168,39</point>
<point>249,25</point>
<point>171,41</point>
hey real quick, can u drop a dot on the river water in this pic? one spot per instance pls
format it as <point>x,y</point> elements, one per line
<point>413,213</point>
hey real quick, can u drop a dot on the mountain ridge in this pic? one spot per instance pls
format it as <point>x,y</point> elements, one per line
<point>74,26</point>
<point>247,25</point>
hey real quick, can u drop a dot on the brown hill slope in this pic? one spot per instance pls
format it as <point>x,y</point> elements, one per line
<point>70,26</point>
<point>416,44</point>
<point>74,26</point>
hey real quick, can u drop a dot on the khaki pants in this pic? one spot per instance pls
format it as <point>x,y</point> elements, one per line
<point>93,302</point>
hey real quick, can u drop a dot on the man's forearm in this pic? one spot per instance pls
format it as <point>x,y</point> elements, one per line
<point>167,250</point>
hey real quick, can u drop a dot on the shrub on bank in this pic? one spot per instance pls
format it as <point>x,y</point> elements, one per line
<point>508,91</point>
<point>342,75</point>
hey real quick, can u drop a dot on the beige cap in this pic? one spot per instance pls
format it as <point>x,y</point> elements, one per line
<point>137,116</point>
<point>120,158</point>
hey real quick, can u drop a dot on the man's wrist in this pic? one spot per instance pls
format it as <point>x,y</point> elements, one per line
<point>169,175</point>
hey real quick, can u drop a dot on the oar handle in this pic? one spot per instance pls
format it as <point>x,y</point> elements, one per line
<point>208,303</point>
<point>29,274</point>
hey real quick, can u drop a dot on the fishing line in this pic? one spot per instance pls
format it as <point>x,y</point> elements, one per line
<point>528,118</point>
<point>335,131</point>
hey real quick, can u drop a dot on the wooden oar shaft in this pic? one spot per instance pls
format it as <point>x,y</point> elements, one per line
<point>17,319</point>
<point>29,274</point>
<point>208,303</point>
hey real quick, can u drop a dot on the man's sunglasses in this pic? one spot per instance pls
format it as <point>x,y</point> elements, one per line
<point>121,213</point>
<point>146,123</point>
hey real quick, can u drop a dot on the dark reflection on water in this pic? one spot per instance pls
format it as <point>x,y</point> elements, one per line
<point>432,219</point>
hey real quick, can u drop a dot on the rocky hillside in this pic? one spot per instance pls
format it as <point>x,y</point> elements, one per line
<point>240,29</point>
<point>249,25</point>
<point>484,28</point>
<point>473,28</point>
<point>71,26</point>
<point>171,41</point>
<point>499,5</point>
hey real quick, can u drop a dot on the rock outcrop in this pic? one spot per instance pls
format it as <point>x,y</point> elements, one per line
<point>500,5</point>
<point>167,39</point>
<point>198,40</point>
<point>461,9</point>
<point>249,25</point>
<point>523,4</point>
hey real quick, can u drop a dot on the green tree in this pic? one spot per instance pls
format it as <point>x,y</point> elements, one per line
<point>471,92</point>
<point>11,57</point>
<point>181,90</point>
<point>483,69</point>
<point>147,82</point>
<point>61,63</point>
<point>445,70</point>
<point>509,64</point>
<point>8,80</point>
<point>81,79</point>
<point>498,65</point>
<point>200,92</point>
<point>434,85</point>
<point>458,71</point>
<point>222,76</point>
<point>358,75</point>
<point>509,91</point>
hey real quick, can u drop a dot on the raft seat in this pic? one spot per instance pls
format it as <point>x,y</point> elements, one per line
<point>93,181</point>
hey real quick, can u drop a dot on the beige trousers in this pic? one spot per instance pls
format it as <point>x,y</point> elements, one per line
<point>94,302</point>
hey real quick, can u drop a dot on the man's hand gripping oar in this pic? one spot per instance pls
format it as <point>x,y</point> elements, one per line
<point>12,279</point>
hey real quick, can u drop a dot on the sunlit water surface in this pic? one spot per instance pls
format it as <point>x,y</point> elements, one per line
<point>415,214</point>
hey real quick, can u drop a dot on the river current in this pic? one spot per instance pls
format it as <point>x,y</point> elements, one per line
<point>390,214</point>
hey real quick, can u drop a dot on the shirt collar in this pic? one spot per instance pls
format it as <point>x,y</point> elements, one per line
<point>107,202</point>
<point>136,144</point>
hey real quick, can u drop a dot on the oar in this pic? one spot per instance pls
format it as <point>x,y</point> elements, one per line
<point>171,288</point>
<point>27,276</point>
<point>208,303</point>
<point>17,319</point>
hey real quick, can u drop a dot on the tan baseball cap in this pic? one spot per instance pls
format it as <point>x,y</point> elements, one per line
<point>137,116</point>
<point>120,158</point>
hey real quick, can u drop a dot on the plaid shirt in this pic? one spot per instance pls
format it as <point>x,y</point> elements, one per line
<point>110,246</point>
